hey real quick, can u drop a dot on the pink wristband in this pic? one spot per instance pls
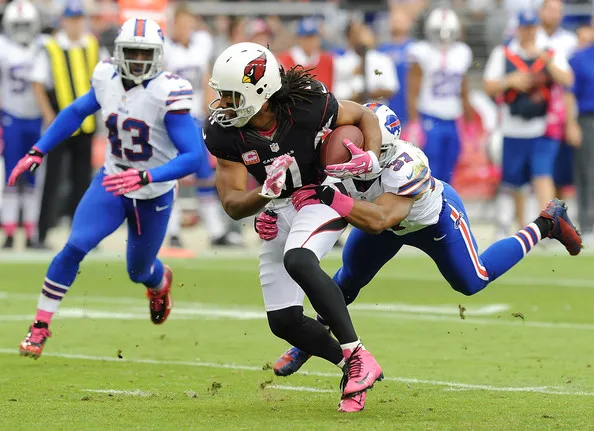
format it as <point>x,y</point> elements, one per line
<point>342,204</point>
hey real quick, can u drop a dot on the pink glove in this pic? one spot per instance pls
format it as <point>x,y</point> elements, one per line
<point>276,177</point>
<point>265,225</point>
<point>414,133</point>
<point>29,163</point>
<point>326,195</point>
<point>126,182</point>
<point>362,162</point>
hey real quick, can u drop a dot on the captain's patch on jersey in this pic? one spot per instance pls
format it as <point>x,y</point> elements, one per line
<point>251,157</point>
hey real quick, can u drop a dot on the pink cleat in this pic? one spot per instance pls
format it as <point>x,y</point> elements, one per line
<point>360,372</point>
<point>160,301</point>
<point>34,342</point>
<point>356,403</point>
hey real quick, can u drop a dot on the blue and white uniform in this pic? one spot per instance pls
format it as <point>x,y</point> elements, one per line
<point>437,224</point>
<point>440,100</point>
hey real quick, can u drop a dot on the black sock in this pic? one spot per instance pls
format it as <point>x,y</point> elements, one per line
<point>544,225</point>
<point>305,333</point>
<point>323,293</point>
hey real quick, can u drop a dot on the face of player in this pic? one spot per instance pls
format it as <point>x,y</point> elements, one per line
<point>527,34</point>
<point>185,25</point>
<point>551,13</point>
<point>310,44</point>
<point>229,101</point>
<point>74,27</point>
<point>137,59</point>
<point>400,23</point>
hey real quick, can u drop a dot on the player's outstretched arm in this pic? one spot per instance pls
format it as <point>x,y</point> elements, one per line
<point>385,212</point>
<point>184,134</point>
<point>231,181</point>
<point>67,121</point>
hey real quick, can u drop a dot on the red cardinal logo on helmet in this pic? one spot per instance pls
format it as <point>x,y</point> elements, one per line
<point>254,71</point>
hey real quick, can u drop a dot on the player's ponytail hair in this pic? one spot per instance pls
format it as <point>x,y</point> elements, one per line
<point>297,84</point>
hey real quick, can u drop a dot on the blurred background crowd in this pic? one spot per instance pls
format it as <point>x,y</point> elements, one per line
<point>477,136</point>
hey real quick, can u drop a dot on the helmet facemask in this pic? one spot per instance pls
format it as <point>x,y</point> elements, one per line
<point>232,112</point>
<point>22,32</point>
<point>138,62</point>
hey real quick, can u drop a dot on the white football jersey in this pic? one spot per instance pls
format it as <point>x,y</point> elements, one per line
<point>16,94</point>
<point>191,62</point>
<point>407,174</point>
<point>135,121</point>
<point>443,72</point>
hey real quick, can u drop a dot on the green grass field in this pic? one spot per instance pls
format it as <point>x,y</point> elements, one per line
<point>521,359</point>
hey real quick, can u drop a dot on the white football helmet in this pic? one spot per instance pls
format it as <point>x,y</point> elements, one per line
<point>442,26</point>
<point>249,74</point>
<point>139,34</point>
<point>391,129</point>
<point>21,21</point>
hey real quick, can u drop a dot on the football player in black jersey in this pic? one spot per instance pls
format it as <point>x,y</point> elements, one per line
<point>269,123</point>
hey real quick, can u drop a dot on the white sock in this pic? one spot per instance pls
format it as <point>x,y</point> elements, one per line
<point>209,210</point>
<point>31,205</point>
<point>174,226</point>
<point>505,212</point>
<point>351,346</point>
<point>341,364</point>
<point>10,206</point>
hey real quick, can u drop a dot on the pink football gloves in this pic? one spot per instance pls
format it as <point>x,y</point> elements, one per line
<point>126,182</point>
<point>29,163</point>
<point>362,162</point>
<point>327,195</point>
<point>277,175</point>
<point>265,225</point>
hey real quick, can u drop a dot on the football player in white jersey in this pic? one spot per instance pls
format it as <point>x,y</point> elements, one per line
<point>188,54</point>
<point>153,142</point>
<point>405,205</point>
<point>438,91</point>
<point>21,117</point>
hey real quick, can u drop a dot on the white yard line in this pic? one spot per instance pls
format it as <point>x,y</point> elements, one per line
<point>387,273</point>
<point>465,386</point>
<point>301,389</point>
<point>196,310</point>
<point>134,393</point>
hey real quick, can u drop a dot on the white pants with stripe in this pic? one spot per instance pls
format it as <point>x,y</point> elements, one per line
<point>315,227</point>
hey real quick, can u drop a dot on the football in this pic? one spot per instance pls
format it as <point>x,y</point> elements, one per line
<point>333,151</point>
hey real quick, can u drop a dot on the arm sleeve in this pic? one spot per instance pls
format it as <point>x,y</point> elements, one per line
<point>68,120</point>
<point>183,132</point>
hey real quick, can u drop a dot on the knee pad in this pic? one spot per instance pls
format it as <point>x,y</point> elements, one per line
<point>71,255</point>
<point>469,287</point>
<point>299,262</point>
<point>282,322</point>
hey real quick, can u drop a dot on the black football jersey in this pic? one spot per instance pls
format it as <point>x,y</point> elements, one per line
<point>297,134</point>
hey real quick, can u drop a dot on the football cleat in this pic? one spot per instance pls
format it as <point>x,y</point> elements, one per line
<point>290,362</point>
<point>34,342</point>
<point>356,403</point>
<point>563,230</point>
<point>360,371</point>
<point>160,301</point>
